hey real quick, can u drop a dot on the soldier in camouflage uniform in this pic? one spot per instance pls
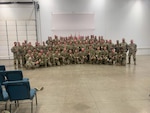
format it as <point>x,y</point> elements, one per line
<point>117,46</point>
<point>20,52</point>
<point>105,55</point>
<point>98,55</point>
<point>132,51</point>
<point>48,58</point>
<point>121,57</point>
<point>124,46</point>
<point>83,55</point>
<point>91,55</point>
<point>110,46</point>
<point>57,58</point>
<point>29,54</point>
<point>76,57</point>
<point>49,41</point>
<point>112,57</point>
<point>70,57</point>
<point>40,59</point>
<point>15,52</point>
<point>64,56</point>
<point>30,64</point>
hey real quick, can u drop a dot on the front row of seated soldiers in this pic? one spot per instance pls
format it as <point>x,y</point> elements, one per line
<point>39,59</point>
<point>69,51</point>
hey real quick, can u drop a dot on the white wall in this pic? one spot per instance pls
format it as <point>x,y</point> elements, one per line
<point>17,23</point>
<point>114,19</point>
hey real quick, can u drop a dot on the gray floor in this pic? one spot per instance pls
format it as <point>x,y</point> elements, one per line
<point>90,88</point>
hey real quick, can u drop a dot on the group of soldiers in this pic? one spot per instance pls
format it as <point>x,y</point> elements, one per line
<point>73,50</point>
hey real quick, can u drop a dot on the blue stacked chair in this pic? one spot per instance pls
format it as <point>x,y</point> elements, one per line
<point>14,75</point>
<point>20,90</point>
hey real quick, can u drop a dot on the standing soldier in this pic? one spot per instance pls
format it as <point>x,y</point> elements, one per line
<point>124,46</point>
<point>24,49</point>
<point>14,50</point>
<point>110,45</point>
<point>20,52</point>
<point>48,42</point>
<point>132,51</point>
<point>117,46</point>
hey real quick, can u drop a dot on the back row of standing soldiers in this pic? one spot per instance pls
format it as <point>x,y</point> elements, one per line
<point>73,50</point>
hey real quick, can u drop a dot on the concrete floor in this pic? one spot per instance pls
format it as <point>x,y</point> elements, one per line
<point>90,88</point>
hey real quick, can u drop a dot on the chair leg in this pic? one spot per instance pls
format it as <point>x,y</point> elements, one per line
<point>32,106</point>
<point>17,103</point>
<point>36,99</point>
<point>6,105</point>
<point>10,107</point>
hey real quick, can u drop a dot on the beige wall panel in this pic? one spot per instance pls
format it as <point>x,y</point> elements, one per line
<point>2,23</point>
<point>11,23</point>
<point>3,43</point>
<point>31,28</point>
<point>2,28</point>
<point>3,33</point>
<point>11,33</point>
<point>21,23</point>
<point>31,33</point>
<point>30,23</point>
<point>21,28</point>
<point>11,28</point>
<point>32,37</point>
<point>21,33</point>
<point>22,38</point>
<point>12,38</point>
<point>3,38</point>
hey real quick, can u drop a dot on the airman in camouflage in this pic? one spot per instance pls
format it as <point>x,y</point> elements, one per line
<point>132,52</point>
<point>76,57</point>
<point>15,52</point>
<point>105,55</point>
<point>70,58</point>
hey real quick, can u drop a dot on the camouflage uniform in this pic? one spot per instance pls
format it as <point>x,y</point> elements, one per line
<point>70,57</point>
<point>41,60</point>
<point>98,55</point>
<point>30,64</point>
<point>112,57</point>
<point>15,52</point>
<point>83,56</point>
<point>76,57</point>
<point>121,57</point>
<point>132,51</point>
<point>124,47</point>
<point>105,56</point>
<point>64,57</point>
<point>57,58</point>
